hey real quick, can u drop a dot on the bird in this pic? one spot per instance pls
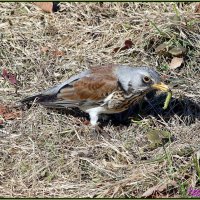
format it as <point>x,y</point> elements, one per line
<point>106,89</point>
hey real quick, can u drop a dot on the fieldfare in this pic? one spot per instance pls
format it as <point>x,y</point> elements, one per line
<point>106,89</point>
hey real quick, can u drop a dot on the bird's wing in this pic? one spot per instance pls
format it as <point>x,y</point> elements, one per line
<point>90,86</point>
<point>51,93</point>
<point>95,86</point>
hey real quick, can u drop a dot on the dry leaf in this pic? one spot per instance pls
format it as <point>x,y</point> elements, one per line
<point>197,8</point>
<point>159,188</point>
<point>150,191</point>
<point>127,45</point>
<point>4,73</point>
<point>8,113</point>
<point>8,76</point>
<point>58,53</point>
<point>12,115</point>
<point>175,63</point>
<point>162,49</point>
<point>12,79</point>
<point>45,6</point>
<point>177,51</point>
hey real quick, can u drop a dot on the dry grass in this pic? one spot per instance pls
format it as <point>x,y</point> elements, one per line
<point>49,154</point>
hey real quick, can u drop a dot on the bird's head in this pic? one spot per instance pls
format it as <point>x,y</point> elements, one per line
<point>141,79</point>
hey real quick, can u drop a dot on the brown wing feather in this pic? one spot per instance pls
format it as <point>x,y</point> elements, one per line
<point>97,86</point>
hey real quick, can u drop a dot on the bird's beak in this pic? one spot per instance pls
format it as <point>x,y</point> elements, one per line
<point>161,86</point>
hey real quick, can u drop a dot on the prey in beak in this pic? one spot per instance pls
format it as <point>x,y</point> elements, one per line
<point>163,87</point>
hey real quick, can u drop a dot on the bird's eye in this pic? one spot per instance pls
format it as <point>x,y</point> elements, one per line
<point>146,79</point>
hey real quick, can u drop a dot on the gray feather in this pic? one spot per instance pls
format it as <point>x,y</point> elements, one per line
<point>50,94</point>
<point>57,88</point>
<point>132,76</point>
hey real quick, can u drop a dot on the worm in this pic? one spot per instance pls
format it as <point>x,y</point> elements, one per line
<point>167,100</point>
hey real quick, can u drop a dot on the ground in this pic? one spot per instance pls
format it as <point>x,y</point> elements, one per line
<point>146,151</point>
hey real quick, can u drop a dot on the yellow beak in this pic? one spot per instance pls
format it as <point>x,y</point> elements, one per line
<point>161,86</point>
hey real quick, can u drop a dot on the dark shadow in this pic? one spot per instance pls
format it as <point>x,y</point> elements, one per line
<point>187,111</point>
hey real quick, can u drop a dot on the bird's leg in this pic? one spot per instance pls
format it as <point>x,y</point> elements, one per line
<point>94,116</point>
<point>96,130</point>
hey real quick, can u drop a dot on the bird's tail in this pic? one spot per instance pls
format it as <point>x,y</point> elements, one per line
<point>45,100</point>
<point>31,99</point>
<point>48,101</point>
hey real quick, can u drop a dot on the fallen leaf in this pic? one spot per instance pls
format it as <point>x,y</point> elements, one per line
<point>149,192</point>
<point>45,6</point>
<point>12,79</point>
<point>175,62</point>
<point>12,115</point>
<point>9,77</point>
<point>159,188</point>
<point>162,48</point>
<point>128,44</point>
<point>58,53</point>
<point>4,73</point>
<point>197,8</point>
<point>177,51</point>
<point>9,113</point>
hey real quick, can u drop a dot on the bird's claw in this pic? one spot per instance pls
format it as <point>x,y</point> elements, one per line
<point>96,131</point>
